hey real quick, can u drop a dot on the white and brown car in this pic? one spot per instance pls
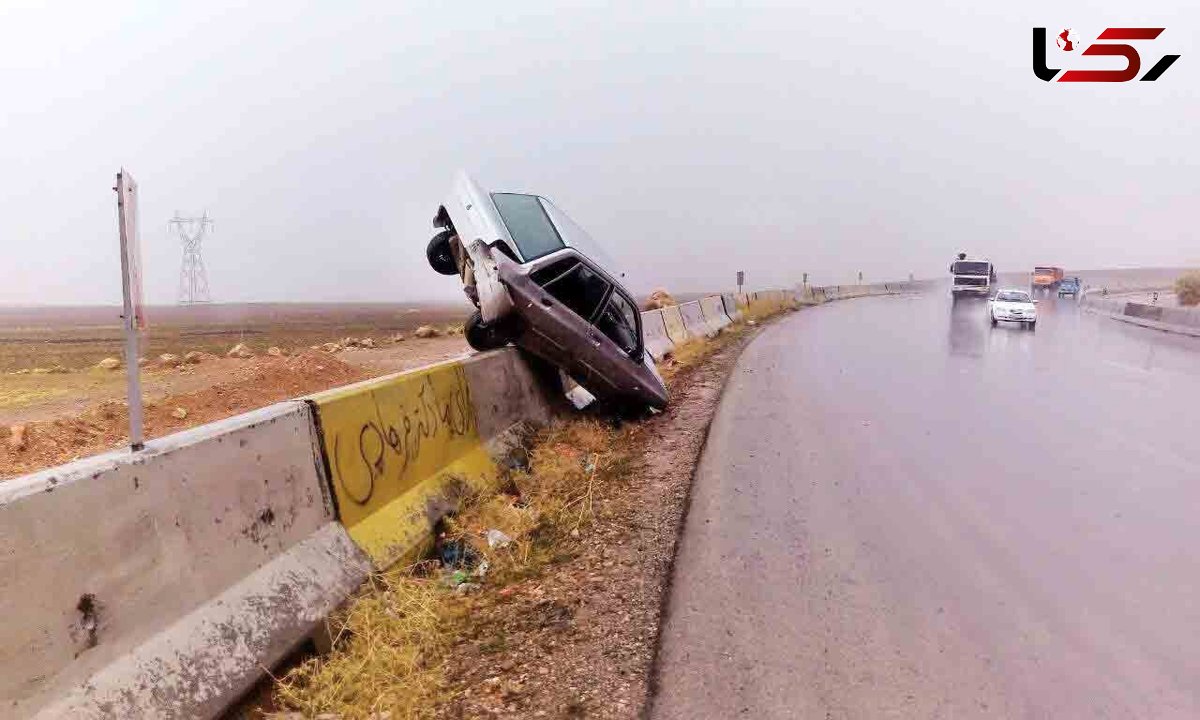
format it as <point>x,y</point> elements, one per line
<point>539,282</point>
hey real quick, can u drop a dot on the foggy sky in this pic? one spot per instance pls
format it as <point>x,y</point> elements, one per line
<point>882,137</point>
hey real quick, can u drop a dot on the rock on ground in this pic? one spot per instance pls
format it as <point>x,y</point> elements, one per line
<point>659,299</point>
<point>108,363</point>
<point>16,437</point>
<point>426,331</point>
<point>168,359</point>
<point>274,351</point>
<point>193,357</point>
<point>239,351</point>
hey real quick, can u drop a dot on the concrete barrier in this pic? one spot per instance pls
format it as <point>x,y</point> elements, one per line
<point>1145,312</point>
<point>693,320</point>
<point>730,304</point>
<point>676,330</point>
<point>714,313</point>
<point>654,331</point>
<point>402,450</point>
<point>159,584</point>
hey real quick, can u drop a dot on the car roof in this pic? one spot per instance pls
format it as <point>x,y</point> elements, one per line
<point>467,190</point>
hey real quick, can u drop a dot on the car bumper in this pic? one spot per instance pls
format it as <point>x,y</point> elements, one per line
<point>1001,317</point>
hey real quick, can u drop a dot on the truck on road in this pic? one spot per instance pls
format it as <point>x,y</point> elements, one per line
<point>1046,278</point>
<point>971,278</point>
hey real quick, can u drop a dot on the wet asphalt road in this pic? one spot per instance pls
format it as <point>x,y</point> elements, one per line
<point>904,513</point>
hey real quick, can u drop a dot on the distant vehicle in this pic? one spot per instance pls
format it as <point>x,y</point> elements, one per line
<point>539,282</point>
<point>1069,286</point>
<point>971,277</point>
<point>1012,305</point>
<point>1047,279</point>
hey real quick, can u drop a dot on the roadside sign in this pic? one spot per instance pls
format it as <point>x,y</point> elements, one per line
<point>131,245</point>
<point>133,318</point>
<point>741,278</point>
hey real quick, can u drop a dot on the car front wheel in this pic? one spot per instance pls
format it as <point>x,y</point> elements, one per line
<point>483,336</point>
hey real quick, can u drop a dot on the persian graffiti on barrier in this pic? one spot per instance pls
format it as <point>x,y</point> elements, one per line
<point>385,437</point>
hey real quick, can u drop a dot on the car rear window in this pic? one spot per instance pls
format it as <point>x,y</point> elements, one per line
<point>1012,297</point>
<point>528,224</point>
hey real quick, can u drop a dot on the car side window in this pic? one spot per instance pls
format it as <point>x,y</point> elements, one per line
<point>579,288</point>
<point>618,321</point>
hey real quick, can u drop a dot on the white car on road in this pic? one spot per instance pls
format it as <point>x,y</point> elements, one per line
<point>1013,306</point>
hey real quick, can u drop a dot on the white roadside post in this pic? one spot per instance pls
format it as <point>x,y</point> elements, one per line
<point>131,288</point>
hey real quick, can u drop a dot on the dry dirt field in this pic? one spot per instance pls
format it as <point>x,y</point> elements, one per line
<point>56,405</point>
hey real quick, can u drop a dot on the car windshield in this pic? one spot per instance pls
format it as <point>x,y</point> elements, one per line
<point>528,224</point>
<point>1012,296</point>
<point>969,267</point>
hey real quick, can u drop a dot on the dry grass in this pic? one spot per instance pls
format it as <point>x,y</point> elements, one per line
<point>1187,289</point>
<point>388,655</point>
<point>391,646</point>
<point>763,309</point>
<point>693,352</point>
<point>550,502</point>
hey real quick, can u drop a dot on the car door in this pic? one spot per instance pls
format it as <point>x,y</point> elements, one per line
<point>560,297</point>
<point>596,340</point>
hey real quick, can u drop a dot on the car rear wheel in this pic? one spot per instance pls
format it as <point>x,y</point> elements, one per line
<point>993,321</point>
<point>488,336</point>
<point>1033,325</point>
<point>439,255</point>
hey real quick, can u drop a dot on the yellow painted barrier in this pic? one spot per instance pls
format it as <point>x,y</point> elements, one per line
<point>400,450</point>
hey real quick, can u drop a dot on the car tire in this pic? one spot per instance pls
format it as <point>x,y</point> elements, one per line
<point>483,336</point>
<point>439,255</point>
<point>1032,326</point>
<point>993,317</point>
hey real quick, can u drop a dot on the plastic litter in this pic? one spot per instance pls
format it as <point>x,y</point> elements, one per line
<point>456,553</point>
<point>497,538</point>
